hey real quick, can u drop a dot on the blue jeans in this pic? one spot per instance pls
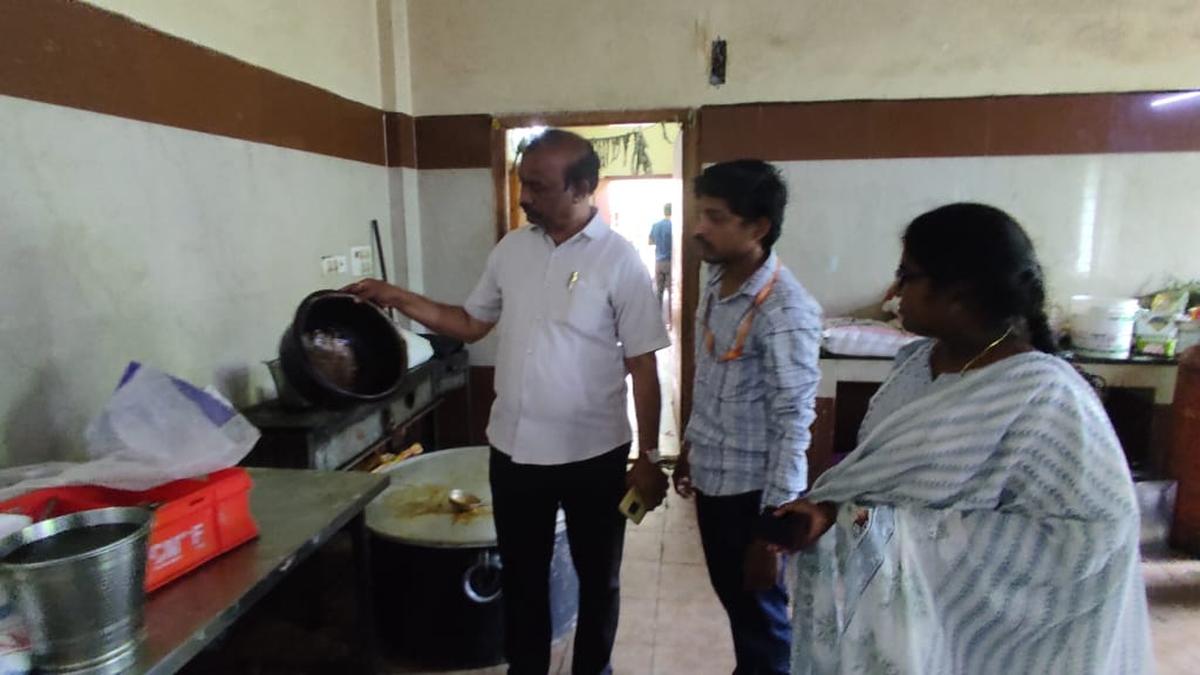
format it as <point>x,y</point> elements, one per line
<point>758,620</point>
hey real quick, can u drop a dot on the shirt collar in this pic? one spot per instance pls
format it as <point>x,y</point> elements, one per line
<point>596,228</point>
<point>755,283</point>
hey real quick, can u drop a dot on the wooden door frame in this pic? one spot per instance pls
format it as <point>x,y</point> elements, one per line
<point>686,272</point>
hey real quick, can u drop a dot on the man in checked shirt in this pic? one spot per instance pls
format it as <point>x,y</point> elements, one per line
<point>758,335</point>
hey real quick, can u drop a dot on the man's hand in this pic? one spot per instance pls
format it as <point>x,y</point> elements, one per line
<point>681,476</point>
<point>444,319</point>
<point>375,291</point>
<point>819,516</point>
<point>649,481</point>
<point>761,569</point>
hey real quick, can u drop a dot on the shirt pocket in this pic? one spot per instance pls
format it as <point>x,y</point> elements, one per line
<point>704,372</point>
<point>584,306</point>
<point>741,381</point>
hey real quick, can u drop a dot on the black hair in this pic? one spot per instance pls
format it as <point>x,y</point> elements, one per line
<point>751,188</point>
<point>987,251</point>
<point>584,172</point>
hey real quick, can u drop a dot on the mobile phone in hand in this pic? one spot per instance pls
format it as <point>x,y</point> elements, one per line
<point>632,506</point>
<point>788,530</point>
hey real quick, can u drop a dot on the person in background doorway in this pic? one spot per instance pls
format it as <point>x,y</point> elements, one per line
<point>660,238</point>
<point>757,349</point>
<point>576,313</point>
<point>987,521</point>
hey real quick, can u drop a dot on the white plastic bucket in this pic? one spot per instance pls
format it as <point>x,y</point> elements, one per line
<point>1102,327</point>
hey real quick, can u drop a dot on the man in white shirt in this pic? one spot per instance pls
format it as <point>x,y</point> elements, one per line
<point>576,311</point>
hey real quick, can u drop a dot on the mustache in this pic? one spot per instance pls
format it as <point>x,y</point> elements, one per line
<point>531,214</point>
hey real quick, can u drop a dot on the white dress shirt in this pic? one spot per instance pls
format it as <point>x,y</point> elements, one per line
<point>569,316</point>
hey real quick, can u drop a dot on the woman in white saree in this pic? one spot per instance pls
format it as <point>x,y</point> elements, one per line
<point>986,522</point>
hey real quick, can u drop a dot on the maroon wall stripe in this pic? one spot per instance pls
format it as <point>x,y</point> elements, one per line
<point>1003,125</point>
<point>454,141</point>
<point>72,54</point>
<point>401,140</point>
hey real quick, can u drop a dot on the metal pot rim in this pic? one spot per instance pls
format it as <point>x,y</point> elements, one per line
<point>116,515</point>
<point>432,544</point>
<point>297,330</point>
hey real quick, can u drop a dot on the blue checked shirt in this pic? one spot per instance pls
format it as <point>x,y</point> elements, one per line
<point>749,428</point>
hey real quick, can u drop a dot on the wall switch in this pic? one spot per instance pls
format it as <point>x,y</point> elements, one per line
<point>328,265</point>
<point>334,264</point>
<point>362,262</point>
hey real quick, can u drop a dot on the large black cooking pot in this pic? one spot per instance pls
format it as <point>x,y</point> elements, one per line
<point>379,351</point>
<point>437,571</point>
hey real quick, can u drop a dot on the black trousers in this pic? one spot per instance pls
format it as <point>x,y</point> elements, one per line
<point>758,620</point>
<point>526,499</point>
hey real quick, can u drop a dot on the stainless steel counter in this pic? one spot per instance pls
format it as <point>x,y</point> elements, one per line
<point>297,512</point>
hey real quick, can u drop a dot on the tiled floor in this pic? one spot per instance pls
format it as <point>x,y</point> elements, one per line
<point>670,620</point>
<point>1173,587</point>
<point>671,623</point>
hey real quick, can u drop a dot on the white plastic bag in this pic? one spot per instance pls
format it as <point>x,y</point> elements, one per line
<point>420,349</point>
<point>864,337</point>
<point>153,430</point>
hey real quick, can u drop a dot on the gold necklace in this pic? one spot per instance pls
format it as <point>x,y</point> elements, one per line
<point>987,349</point>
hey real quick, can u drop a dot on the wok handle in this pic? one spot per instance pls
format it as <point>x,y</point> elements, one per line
<point>487,589</point>
<point>391,312</point>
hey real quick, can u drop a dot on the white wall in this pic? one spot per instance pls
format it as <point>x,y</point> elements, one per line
<point>395,66</point>
<point>125,240</point>
<point>1103,224</point>
<point>404,206</point>
<point>537,55</point>
<point>457,233</point>
<point>333,44</point>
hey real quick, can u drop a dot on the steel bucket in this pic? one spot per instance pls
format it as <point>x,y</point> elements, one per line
<point>78,582</point>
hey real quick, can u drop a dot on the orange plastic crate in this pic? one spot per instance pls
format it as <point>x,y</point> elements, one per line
<point>195,520</point>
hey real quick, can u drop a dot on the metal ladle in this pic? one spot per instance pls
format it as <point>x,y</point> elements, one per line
<point>463,501</point>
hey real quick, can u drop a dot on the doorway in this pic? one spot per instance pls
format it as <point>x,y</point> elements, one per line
<point>641,173</point>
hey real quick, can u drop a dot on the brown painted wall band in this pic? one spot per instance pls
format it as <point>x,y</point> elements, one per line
<point>400,133</point>
<point>966,127</point>
<point>454,142</point>
<point>72,54</point>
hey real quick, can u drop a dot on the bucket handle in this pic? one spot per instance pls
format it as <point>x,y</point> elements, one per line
<point>488,589</point>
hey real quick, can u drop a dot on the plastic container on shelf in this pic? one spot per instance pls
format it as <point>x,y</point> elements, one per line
<point>1189,335</point>
<point>195,520</point>
<point>1103,327</point>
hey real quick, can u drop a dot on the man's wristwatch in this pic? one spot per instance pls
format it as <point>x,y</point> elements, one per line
<point>654,456</point>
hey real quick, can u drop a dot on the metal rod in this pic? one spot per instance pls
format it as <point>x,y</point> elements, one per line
<point>382,265</point>
<point>379,249</point>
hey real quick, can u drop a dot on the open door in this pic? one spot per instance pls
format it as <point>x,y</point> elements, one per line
<point>644,167</point>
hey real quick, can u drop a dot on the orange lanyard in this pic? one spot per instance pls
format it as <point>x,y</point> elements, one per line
<point>743,329</point>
